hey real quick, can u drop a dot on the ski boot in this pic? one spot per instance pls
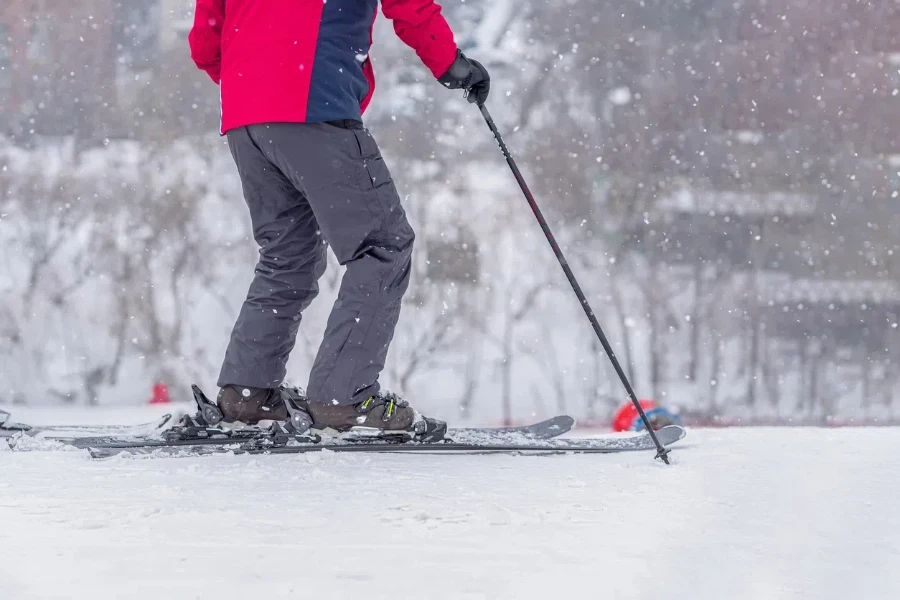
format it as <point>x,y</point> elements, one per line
<point>384,415</point>
<point>249,406</point>
<point>239,404</point>
<point>235,418</point>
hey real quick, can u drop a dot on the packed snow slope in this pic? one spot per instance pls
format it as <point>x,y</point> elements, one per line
<point>741,514</point>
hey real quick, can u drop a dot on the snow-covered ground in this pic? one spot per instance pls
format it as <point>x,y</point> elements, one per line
<point>742,514</point>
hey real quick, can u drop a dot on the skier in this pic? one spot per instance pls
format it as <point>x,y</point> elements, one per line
<point>294,79</point>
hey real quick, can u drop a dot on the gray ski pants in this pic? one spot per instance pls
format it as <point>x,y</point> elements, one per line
<point>308,185</point>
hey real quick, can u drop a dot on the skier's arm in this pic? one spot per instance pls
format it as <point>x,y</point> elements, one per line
<point>421,26</point>
<point>206,37</point>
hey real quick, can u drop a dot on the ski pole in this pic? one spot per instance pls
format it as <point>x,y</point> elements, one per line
<point>662,452</point>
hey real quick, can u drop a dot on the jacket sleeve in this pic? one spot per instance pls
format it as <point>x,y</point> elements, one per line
<point>421,26</point>
<point>205,37</point>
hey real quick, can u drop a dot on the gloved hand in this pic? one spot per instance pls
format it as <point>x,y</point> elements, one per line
<point>469,75</point>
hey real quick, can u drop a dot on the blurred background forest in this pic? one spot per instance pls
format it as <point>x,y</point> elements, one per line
<point>724,176</point>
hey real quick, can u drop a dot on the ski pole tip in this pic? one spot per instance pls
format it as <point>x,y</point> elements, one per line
<point>664,455</point>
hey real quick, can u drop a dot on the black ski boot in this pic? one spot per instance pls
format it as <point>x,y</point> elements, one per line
<point>251,405</point>
<point>384,412</point>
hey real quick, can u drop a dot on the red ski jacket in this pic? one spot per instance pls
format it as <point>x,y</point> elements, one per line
<point>306,60</point>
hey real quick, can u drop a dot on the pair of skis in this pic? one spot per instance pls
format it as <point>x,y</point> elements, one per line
<point>500,444</point>
<point>193,436</point>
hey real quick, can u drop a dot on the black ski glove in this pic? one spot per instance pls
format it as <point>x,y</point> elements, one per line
<point>469,75</point>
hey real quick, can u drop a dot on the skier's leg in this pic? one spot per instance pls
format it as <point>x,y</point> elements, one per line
<point>362,322</point>
<point>342,174</point>
<point>292,258</point>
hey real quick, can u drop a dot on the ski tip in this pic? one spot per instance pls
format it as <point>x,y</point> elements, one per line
<point>670,434</point>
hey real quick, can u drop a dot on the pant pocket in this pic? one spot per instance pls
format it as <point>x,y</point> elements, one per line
<point>377,185</point>
<point>376,173</point>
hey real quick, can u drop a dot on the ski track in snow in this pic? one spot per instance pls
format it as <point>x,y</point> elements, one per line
<point>742,514</point>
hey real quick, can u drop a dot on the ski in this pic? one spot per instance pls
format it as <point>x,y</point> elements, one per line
<point>544,430</point>
<point>667,436</point>
<point>187,434</point>
<point>9,429</point>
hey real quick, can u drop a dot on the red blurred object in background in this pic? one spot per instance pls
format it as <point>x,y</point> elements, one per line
<point>626,416</point>
<point>160,394</point>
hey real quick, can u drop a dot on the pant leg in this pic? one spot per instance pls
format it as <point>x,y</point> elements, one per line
<point>343,176</point>
<point>292,258</point>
